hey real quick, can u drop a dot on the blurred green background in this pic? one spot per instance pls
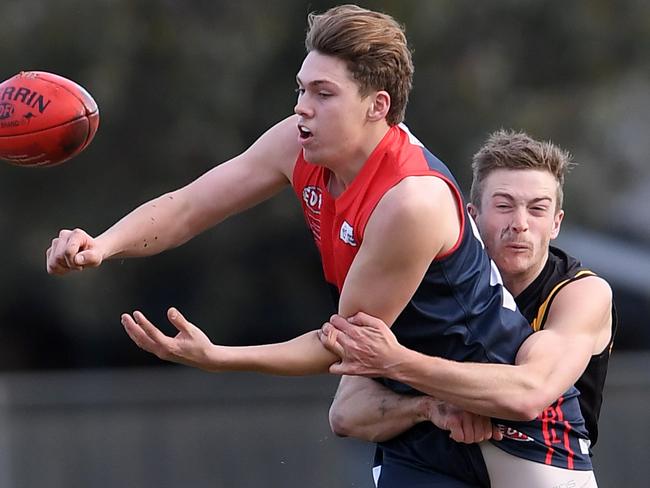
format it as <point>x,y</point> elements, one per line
<point>184,85</point>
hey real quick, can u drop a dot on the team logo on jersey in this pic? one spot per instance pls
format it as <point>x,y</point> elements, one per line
<point>514,434</point>
<point>313,198</point>
<point>346,234</point>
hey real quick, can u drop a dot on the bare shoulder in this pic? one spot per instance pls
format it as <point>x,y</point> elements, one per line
<point>418,197</point>
<point>420,210</point>
<point>590,291</point>
<point>278,146</point>
<point>583,307</point>
<point>423,205</point>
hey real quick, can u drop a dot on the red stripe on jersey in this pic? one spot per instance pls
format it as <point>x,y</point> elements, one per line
<point>547,438</point>
<point>560,413</point>
<point>567,445</point>
<point>549,417</point>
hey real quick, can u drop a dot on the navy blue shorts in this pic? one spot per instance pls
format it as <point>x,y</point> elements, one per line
<point>425,456</point>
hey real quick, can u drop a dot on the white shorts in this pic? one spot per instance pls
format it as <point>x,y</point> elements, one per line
<point>508,471</point>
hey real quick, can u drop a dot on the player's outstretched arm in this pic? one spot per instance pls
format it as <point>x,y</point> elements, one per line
<point>366,410</point>
<point>173,218</point>
<point>303,355</point>
<point>382,279</point>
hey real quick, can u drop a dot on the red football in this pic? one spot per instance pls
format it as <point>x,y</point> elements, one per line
<point>45,119</point>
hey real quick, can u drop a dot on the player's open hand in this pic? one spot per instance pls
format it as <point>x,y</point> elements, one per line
<point>72,250</point>
<point>365,344</point>
<point>189,346</point>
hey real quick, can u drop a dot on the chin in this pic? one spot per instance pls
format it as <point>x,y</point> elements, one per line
<point>512,266</point>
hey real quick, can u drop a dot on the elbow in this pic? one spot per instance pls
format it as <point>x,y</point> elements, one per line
<point>524,410</point>
<point>339,424</point>
<point>344,426</point>
<point>525,400</point>
<point>529,403</point>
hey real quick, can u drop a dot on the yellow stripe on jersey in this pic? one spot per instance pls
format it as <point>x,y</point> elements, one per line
<point>540,319</point>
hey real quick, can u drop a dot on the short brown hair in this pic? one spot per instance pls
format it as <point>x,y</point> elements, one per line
<point>374,47</point>
<point>509,149</point>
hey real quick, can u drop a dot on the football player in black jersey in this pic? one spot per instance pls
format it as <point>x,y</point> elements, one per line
<point>516,201</point>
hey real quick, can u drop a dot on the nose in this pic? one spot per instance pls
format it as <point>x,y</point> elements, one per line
<point>520,220</point>
<point>302,108</point>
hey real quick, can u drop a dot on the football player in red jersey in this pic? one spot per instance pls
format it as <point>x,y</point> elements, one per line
<point>388,219</point>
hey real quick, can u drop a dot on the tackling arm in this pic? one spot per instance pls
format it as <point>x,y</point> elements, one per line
<point>547,364</point>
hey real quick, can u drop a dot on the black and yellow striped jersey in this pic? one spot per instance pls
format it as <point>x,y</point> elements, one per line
<point>534,303</point>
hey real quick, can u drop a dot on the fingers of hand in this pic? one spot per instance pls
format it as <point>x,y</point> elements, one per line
<point>361,318</point>
<point>148,328</point>
<point>137,335</point>
<point>340,323</point>
<point>63,252</point>
<point>74,242</point>
<point>456,428</point>
<point>178,320</point>
<point>338,369</point>
<point>486,427</point>
<point>147,336</point>
<point>329,337</point>
<point>469,428</point>
<point>56,264</point>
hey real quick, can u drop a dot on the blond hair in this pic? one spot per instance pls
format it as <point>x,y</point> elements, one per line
<point>508,149</point>
<point>374,47</point>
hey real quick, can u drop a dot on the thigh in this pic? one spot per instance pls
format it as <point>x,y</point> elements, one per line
<point>508,471</point>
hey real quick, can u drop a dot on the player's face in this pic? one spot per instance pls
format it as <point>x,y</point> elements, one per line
<point>518,219</point>
<point>332,114</point>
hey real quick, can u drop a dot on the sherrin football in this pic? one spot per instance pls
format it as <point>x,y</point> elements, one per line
<point>45,119</point>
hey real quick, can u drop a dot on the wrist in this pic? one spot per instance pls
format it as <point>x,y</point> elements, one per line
<point>103,245</point>
<point>402,368</point>
<point>424,407</point>
<point>218,359</point>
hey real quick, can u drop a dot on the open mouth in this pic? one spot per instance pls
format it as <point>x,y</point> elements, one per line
<point>305,133</point>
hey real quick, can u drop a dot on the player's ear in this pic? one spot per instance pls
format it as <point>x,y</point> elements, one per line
<point>380,106</point>
<point>472,210</point>
<point>557,222</point>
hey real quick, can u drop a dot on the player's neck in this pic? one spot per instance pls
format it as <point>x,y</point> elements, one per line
<point>343,172</point>
<point>518,282</point>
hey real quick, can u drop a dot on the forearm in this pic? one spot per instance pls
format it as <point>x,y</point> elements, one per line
<point>304,355</point>
<point>493,390</point>
<point>153,227</point>
<point>366,410</point>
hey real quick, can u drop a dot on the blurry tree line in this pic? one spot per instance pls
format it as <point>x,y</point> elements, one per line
<point>182,86</point>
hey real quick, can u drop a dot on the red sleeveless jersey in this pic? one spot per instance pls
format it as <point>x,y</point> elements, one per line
<point>338,224</point>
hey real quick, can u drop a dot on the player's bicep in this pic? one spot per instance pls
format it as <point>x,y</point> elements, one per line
<point>578,317</point>
<point>582,309</point>
<point>402,238</point>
